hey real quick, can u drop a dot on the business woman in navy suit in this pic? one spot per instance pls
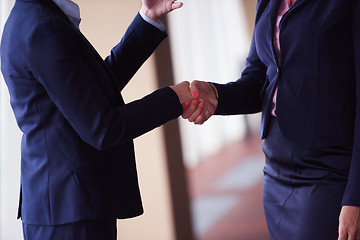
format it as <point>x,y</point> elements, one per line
<point>303,74</point>
<point>78,172</point>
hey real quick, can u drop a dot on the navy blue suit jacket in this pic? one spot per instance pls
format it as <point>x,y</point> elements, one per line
<point>318,101</point>
<point>77,149</point>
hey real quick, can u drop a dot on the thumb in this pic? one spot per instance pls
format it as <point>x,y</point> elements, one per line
<point>176,5</point>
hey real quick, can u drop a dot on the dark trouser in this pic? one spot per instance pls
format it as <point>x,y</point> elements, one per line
<point>303,188</point>
<point>82,230</point>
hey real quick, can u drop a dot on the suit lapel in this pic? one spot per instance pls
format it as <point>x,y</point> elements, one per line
<point>274,7</point>
<point>60,13</point>
<point>100,60</point>
<point>273,11</point>
<point>297,5</point>
<point>57,10</point>
<point>108,84</point>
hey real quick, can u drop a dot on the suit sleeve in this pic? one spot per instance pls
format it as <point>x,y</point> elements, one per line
<point>137,44</point>
<point>244,95</point>
<point>351,196</point>
<point>58,65</point>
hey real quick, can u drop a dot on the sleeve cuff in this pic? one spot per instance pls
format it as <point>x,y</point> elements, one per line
<point>158,24</point>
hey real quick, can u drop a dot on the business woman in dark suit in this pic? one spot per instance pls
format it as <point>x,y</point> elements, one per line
<point>303,74</point>
<point>78,172</point>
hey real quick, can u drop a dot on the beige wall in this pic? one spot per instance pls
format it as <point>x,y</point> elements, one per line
<point>10,227</point>
<point>103,23</point>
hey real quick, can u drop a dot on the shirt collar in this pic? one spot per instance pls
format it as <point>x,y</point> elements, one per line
<point>71,9</point>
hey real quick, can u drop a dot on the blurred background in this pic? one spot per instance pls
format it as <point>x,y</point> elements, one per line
<point>197,182</point>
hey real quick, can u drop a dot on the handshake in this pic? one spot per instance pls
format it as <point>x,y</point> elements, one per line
<point>199,100</point>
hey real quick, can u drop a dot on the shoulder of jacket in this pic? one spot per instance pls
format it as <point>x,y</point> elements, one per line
<point>260,8</point>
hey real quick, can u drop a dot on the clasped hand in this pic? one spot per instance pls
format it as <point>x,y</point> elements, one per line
<point>198,99</point>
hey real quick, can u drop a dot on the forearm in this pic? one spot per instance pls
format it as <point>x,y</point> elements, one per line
<point>240,97</point>
<point>149,112</point>
<point>136,46</point>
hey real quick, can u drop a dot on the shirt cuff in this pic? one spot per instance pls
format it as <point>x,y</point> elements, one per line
<point>158,24</point>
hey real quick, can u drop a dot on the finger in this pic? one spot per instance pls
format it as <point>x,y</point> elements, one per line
<point>176,5</point>
<point>200,119</point>
<point>343,236</point>
<point>185,106</point>
<point>206,113</point>
<point>197,112</point>
<point>189,110</point>
<point>209,110</point>
<point>204,117</point>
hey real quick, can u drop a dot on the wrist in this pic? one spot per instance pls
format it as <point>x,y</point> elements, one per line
<point>214,89</point>
<point>150,14</point>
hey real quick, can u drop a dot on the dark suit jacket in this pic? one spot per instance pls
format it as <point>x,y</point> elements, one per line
<point>77,150</point>
<point>318,101</point>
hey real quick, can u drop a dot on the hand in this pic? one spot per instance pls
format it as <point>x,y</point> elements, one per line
<point>155,9</point>
<point>182,90</point>
<point>349,223</point>
<point>206,96</point>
